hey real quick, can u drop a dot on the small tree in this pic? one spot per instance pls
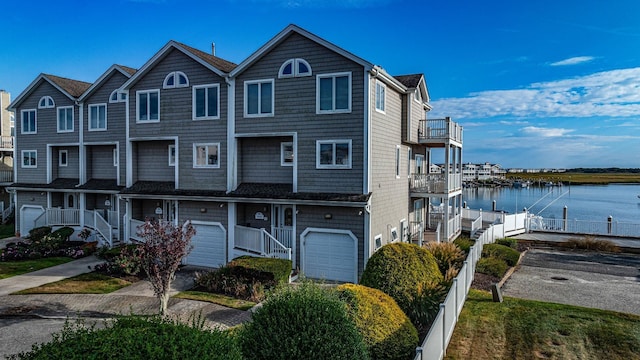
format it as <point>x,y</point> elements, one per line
<point>163,247</point>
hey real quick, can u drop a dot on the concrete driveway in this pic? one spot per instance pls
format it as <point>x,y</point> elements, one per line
<point>589,279</point>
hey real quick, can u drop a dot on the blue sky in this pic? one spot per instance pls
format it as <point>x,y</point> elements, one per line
<point>544,83</point>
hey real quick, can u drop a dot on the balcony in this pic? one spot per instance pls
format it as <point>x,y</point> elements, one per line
<point>435,183</point>
<point>439,131</point>
<point>6,143</point>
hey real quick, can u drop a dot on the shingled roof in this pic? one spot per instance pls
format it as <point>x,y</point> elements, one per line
<point>213,60</point>
<point>410,81</point>
<point>131,71</point>
<point>75,88</point>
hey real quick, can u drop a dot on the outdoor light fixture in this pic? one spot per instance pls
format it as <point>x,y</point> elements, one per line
<point>328,216</point>
<point>203,210</point>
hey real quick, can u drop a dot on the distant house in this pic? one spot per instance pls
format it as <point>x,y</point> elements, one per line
<point>482,172</point>
<point>302,151</point>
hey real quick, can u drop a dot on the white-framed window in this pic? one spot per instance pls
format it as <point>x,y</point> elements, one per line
<point>419,164</point>
<point>394,234</point>
<point>172,155</point>
<point>65,119</point>
<point>294,68</point>
<point>12,123</point>
<point>404,230</point>
<point>117,96</point>
<point>63,157</point>
<point>381,94</point>
<point>206,155</point>
<point>46,102</point>
<point>409,162</point>
<point>333,154</point>
<point>397,161</point>
<point>29,158</point>
<point>377,240</point>
<point>258,98</point>
<point>333,93</point>
<point>175,79</point>
<point>206,102</point>
<point>286,154</point>
<point>148,106</point>
<point>29,122</point>
<point>417,96</point>
<point>97,117</point>
<point>115,157</point>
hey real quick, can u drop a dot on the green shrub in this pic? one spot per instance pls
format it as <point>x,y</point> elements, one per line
<point>492,266</point>
<point>591,243</point>
<point>38,233</point>
<point>302,322</point>
<point>464,243</point>
<point>387,331</point>
<point>509,255</point>
<point>447,255</point>
<point>510,242</point>
<point>271,269</point>
<point>401,271</point>
<point>135,337</point>
<point>63,233</point>
<point>124,260</point>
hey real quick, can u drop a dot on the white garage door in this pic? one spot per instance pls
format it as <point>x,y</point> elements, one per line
<point>329,254</point>
<point>28,215</point>
<point>209,245</point>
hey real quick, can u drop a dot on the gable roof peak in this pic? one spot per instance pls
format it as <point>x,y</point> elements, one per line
<point>75,88</point>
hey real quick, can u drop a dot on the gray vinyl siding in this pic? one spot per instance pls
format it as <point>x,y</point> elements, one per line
<point>153,161</point>
<point>246,215</point>
<point>100,162</point>
<point>47,132</point>
<point>190,210</point>
<point>71,171</point>
<point>261,161</point>
<point>342,218</point>
<point>116,128</point>
<point>176,119</point>
<point>295,111</point>
<point>390,194</point>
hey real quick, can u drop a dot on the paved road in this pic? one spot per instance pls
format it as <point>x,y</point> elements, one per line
<point>589,279</point>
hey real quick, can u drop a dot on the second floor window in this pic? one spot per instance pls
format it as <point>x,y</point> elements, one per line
<point>175,79</point>
<point>206,155</point>
<point>46,102</point>
<point>333,93</point>
<point>29,124</point>
<point>258,98</point>
<point>333,154</point>
<point>206,102</point>
<point>65,119</point>
<point>381,90</point>
<point>29,158</point>
<point>63,158</point>
<point>98,117</point>
<point>116,96</point>
<point>148,108</point>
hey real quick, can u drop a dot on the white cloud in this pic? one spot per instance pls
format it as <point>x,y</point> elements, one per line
<point>573,61</point>
<point>614,93</point>
<point>545,132</point>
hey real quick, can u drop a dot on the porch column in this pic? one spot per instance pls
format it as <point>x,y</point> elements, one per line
<point>82,202</point>
<point>231,231</point>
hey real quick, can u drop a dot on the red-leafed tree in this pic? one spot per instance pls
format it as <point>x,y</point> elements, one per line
<point>161,251</point>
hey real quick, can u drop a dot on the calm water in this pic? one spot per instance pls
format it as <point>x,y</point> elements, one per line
<point>584,202</point>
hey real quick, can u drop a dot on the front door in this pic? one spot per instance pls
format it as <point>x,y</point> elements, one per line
<point>282,224</point>
<point>70,201</point>
<point>170,211</point>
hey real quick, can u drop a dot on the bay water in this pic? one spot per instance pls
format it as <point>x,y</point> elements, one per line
<point>583,202</point>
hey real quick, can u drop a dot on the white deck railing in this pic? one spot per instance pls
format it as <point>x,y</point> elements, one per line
<point>132,229</point>
<point>283,234</point>
<point>104,228</point>
<point>417,232</point>
<point>476,225</point>
<point>586,227</point>
<point>6,176</point>
<point>6,142</point>
<point>63,217</point>
<point>439,129</point>
<point>261,242</point>
<point>435,183</point>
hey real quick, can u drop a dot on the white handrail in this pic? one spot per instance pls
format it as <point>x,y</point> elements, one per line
<point>261,242</point>
<point>103,227</point>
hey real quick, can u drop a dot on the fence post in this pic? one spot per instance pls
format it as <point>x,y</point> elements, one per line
<point>443,343</point>
<point>609,224</point>
<point>419,351</point>
<point>565,212</point>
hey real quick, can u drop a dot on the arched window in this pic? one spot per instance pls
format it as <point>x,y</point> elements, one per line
<point>116,96</point>
<point>46,102</point>
<point>294,68</point>
<point>175,79</point>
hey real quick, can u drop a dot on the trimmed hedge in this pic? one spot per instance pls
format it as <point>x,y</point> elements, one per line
<point>38,233</point>
<point>510,242</point>
<point>492,266</point>
<point>509,255</point>
<point>302,322</point>
<point>403,271</point>
<point>387,331</point>
<point>277,270</point>
<point>63,233</point>
<point>134,337</point>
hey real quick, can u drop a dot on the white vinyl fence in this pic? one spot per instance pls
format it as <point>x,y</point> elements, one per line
<point>435,344</point>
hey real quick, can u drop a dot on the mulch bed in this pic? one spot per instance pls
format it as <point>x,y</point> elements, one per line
<point>483,281</point>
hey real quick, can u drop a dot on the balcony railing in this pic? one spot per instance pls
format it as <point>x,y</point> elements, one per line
<point>6,176</point>
<point>435,183</point>
<point>6,142</point>
<point>261,242</point>
<point>439,129</point>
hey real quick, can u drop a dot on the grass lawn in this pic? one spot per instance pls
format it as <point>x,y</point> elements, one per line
<point>13,268</point>
<point>7,230</point>
<point>524,329</point>
<point>580,178</point>
<point>216,299</point>
<point>89,283</point>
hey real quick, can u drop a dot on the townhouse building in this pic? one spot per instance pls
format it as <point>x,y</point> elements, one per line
<point>302,151</point>
<point>482,172</point>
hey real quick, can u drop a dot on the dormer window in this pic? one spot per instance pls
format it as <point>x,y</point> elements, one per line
<point>116,96</point>
<point>294,68</point>
<point>417,96</point>
<point>46,102</point>
<point>176,79</point>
